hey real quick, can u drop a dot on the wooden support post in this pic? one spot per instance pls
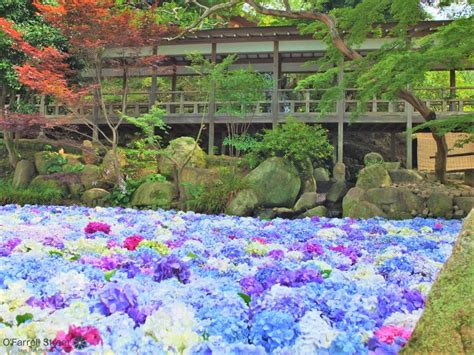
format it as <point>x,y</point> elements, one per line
<point>452,89</point>
<point>409,146</point>
<point>154,82</point>
<point>392,146</point>
<point>212,105</point>
<point>340,118</point>
<point>276,81</point>
<point>174,80</point>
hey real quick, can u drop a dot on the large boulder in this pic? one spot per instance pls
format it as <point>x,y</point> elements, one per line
<point>397,203</point>
<point>336,192</point>
<point>401,176</point>
<point>192,177</point>
<point>306,201</point>
<point>95,197</point>
<point>276,183</point>
<point>364,209</point>
<point>373,158</point>
<point>24,173</point>
<point>440,204</point>
<point>243,204</point>
<point>44,160</point>
<point>108,169</point>
<point>353,197</point>
<point>465,203</point>
<point>373,176</point>
<point>339,172</point>
<point>447,323</point>
<point>91,176</point>
<point>179,149</point>
<point>319,211</point>
<point>154,194</point>
<point>307,178</point>
<point>321,175</point>
<point>50,181</point>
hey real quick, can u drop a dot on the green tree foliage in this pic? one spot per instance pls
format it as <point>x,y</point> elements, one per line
<point>294,140</point>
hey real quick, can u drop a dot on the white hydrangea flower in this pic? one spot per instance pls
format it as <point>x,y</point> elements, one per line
<point>405,320</point>
<point>71,282</point>
<point>316,334</point>
<point>173,326</point>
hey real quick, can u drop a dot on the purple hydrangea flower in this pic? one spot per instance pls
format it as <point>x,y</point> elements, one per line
<point>171,266</point>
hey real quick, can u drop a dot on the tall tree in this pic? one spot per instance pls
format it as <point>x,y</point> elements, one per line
<point>389,71</point>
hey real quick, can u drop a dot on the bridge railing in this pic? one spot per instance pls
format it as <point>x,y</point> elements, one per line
<point>176,103</point>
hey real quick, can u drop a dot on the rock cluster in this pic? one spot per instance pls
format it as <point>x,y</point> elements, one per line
<point>403,193</point>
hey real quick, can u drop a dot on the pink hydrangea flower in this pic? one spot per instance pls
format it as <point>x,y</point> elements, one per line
<point>388,333</point>
<point>93,227</point>
<point>131,243</point>
<point>259,240</point>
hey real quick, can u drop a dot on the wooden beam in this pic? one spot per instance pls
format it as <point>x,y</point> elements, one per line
<point>409,141</point>
<point>340,118</point>
<point>276,80</point>
<point>452,89</point>
<point>212,105</point>
<point>154,81</point>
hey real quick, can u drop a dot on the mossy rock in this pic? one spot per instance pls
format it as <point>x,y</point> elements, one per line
<point>373,176</point>
<point>440,204</point>
<point>364,210</point>
<point>353,197</point>
<point>215,161</point>
<point>319,211</point>
<point>108,171</point>
<point>337,191</point>
<point>339,172</point>
<point>154,194</point>
<point>192,177</point>
<point>24,173</point>
<point>321,175</point>
<point>43,160</point>
<point>179,149</point>
<point>95,197</point>
<point>44,181</point>
<point>405,176</point>
<point>373,158</point>
<point>306,201</point>
<point>243,204</point>
<point>447,323</point>
<point>91,176</point>
<point>397,203</point>
<point>465,203</point>
<point>276,183</point>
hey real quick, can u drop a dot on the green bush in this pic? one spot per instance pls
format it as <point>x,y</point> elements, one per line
<point>40,194</point>
<point>212,198</point>
<point>293,140</point>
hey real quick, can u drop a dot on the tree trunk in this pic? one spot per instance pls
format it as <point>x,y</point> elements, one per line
<point>8,138</point>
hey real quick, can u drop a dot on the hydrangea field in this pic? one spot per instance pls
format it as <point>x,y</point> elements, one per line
<point>113,280</point>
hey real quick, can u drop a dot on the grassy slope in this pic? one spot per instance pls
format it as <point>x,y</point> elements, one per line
<point>447,323</point>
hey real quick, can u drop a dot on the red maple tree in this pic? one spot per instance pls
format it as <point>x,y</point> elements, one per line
<point>92,27</point>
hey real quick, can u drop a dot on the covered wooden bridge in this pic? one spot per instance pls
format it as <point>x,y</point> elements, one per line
<point>278,51</point>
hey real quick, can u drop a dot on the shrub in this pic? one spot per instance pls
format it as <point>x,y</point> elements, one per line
<point>212,198</point>
<point>293,140</point>
<point>41,194</point>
